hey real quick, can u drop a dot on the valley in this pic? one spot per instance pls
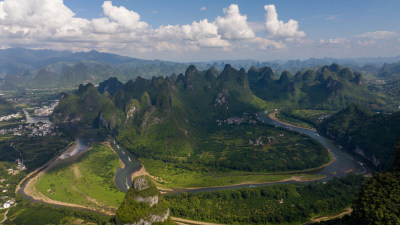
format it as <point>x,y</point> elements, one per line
<point>207,140</point>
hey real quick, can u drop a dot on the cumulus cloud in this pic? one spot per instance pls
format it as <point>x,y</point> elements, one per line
<point>51,24</point>
<point>123,17</point>
<point>203,8</point>
<point>367,43</point>
<point>277,28</point>
<point>334,41</point>
<point>234,25</point>
<point>382,34</point>
<point>264,43</point>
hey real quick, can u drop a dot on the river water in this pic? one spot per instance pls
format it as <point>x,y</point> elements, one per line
<point>343,163</point>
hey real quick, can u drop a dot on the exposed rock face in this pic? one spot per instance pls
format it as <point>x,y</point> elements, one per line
<point>153,219</point>
<point>143,191</point>
<point>372,158</point>
<point>140,183</point>
<point>151,200</point>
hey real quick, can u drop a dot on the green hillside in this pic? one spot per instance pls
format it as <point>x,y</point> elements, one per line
<point>201,123</point>
<point>87,106</point>
<point>368,134</point>
<point>329,87</point>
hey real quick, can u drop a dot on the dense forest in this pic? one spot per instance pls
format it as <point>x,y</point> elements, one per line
<point>277,204</point>
<point>372,135</point>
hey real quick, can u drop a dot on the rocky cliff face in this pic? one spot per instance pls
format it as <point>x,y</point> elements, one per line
<point>143,204</point>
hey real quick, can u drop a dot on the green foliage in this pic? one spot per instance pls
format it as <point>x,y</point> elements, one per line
<point>185,162</point>
<point>25,213</point>
<point>132,211</point>
<point>88,106</point>
<point>6,108</point>
<point>329,87</point>
<point>111,86</point>
<point>379,200</point>
<point>376,134</point>
<point>277,204</point>
<point>303,117</point>
<point>90,177</point>
<point>35,154</point>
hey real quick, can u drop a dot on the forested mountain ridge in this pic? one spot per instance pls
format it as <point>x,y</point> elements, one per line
<point>368,134</point>
<point>190,121</point>
<point>329,87</point>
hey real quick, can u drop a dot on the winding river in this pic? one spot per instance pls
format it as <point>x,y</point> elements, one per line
<point>342,164</point>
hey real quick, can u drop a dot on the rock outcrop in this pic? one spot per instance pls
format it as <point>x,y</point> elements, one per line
<point>143,204</point>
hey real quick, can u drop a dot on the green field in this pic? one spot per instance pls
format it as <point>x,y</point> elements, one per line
<point>25,213</point>
<point>308,118</point>
<point>88,182</point>
<point>231,155</point>
<point>178,177</point>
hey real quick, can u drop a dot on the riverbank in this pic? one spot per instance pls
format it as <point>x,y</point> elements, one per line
<point>347,211</point>
<point>181,221</point>
<point>69,149</point>
<point>276,179</point>
<point>79,187</point>
<point>272,116</point>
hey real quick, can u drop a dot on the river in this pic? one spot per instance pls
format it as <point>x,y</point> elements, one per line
<point>343,162</point>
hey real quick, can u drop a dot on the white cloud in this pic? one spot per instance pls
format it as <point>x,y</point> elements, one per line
<point>382,34</point>
<point>334,41</point>
<point>50,24</point>
<point>123,17</point>
<point>257,26</point>
<point>203,8</point>
<point>234,25</point>
<point>277,28</point>
<point>367,43</point>
<point>266,43</point>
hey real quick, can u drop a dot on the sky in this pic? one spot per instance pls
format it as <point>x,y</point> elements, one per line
<point>206,30</point>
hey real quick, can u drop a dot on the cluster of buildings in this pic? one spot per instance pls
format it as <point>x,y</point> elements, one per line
<point>256,142</point>
<point>237,120</point>
<point>11,116</point>
<point>40,130</point>
<point>33,130</point>
<point>9,203</point>
<point>20,167</point>
<point>323,117</point>
<point>46,110</point>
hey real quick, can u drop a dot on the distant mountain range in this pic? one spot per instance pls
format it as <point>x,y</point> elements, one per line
<point>26,68</point>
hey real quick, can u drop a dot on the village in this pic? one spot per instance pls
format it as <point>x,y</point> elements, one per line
<point>46,110</point>
<point>32,130</point>
<point>238,120</point>
<point>6,201</point>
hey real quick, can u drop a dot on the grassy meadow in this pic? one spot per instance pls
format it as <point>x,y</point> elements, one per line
<point>88,182</point>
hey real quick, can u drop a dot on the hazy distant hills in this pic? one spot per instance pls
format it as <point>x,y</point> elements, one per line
<point>26,68</point>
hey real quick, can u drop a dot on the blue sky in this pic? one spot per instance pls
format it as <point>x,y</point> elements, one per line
<point>195,30</point>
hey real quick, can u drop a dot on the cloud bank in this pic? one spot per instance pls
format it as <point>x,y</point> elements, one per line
<point>51,24</point>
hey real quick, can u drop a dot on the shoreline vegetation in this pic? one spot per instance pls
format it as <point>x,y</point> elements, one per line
<point>273,116</point>
<point>162,185</point>
<point>176,190</point>
<point>31,188</point>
